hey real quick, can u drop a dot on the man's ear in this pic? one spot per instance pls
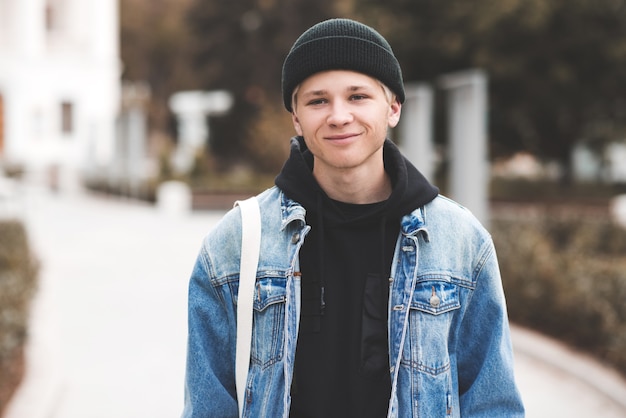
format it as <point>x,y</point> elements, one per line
<point>395,109</point>
<point>296,123</point>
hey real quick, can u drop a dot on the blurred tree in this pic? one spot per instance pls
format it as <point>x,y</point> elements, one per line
<point>155,49</point>
<point>555,67</point>
<point>240,46</point>
<point>558,75</point>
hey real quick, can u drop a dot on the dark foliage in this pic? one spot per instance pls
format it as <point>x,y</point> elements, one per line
<point>566,277</point>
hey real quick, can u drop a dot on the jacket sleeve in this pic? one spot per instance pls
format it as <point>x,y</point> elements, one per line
<point>210,376</point>
<point>487,385</point>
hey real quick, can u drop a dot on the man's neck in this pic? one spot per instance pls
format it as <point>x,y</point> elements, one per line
<point>358,185</point>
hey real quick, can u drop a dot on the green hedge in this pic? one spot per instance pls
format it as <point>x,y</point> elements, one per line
<point>566,277</point>
<point>18,278</point>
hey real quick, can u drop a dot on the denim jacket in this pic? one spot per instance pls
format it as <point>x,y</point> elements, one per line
<point>449,343</point>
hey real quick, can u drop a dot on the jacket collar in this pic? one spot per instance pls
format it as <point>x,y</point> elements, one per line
<point>411,224</point>
<point>290,211</point>
<point>415,222</point>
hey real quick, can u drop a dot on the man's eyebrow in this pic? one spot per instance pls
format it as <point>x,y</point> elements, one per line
<point>314,93</point>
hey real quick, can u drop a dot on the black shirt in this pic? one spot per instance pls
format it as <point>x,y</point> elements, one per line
<point>342,360</point>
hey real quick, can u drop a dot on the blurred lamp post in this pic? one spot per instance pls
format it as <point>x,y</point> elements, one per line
<point>192,108</point>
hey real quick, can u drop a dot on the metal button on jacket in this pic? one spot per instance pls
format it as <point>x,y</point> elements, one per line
<point>434,299</point>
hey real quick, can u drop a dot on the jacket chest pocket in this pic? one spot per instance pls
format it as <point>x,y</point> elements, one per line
<point>269,320</point>
<point>431,311</point>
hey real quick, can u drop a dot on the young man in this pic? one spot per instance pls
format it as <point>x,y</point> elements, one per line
<point>375,296</point>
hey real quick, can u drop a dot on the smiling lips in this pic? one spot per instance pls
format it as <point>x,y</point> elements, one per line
<point>341,136</point>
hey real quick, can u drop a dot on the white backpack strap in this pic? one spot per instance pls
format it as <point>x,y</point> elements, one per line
<point>250,247</point>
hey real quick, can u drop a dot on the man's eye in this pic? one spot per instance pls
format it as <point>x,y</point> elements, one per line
<point>316,102</point>
<point>357,97</point>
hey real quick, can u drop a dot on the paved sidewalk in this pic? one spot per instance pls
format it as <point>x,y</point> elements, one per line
<point>556,381</point>
<point>109,321</point>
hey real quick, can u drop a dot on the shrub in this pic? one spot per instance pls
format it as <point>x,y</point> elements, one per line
<point>566,277</point>
<point>18,272</point>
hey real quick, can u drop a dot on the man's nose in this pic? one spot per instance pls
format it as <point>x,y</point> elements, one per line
<point>340,114</point>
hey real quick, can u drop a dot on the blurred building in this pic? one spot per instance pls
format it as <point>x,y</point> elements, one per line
<point>59,86</point>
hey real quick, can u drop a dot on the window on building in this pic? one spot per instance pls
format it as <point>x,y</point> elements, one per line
<point>55,15</point>
<point>67,117</point>
<point>50,17</point>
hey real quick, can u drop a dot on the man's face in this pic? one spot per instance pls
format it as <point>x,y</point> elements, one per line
<point>343,117</point>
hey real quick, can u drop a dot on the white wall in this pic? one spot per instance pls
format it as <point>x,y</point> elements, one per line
<point>77,61</point>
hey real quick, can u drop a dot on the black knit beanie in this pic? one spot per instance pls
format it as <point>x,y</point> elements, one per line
<point>341,44</point>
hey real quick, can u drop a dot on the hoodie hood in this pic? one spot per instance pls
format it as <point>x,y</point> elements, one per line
<point>410,189</point>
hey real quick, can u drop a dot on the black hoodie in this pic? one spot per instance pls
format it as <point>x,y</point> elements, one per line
<point>342,361</point>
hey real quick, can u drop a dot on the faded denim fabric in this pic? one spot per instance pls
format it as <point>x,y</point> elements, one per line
<point>449,341</point>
